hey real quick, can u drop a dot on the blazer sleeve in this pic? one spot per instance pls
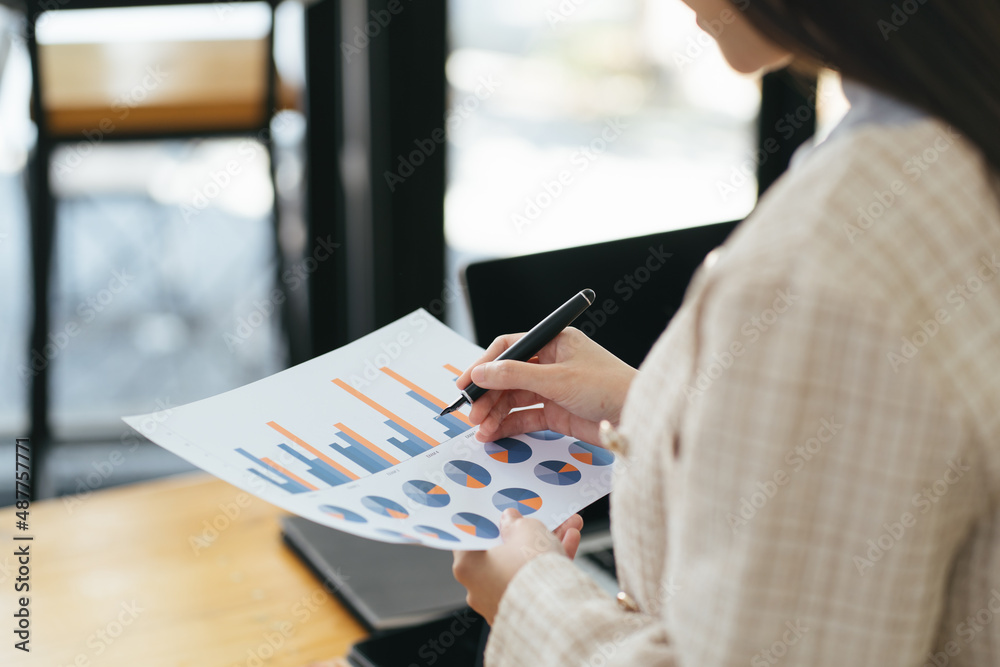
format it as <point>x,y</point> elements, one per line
<point>818,497</point>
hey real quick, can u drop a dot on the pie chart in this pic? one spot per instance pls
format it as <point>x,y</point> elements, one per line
<point>524,501</point>
<point>426,493</point>
<point>584,452</point>
<point>385,507</point>
<point>430,531</point>
<point>467,474</point>
<point>475,525</point>
<point>508,450</point>
<point>545,435</point>
<point>341,513</point>
<point>559,473</point>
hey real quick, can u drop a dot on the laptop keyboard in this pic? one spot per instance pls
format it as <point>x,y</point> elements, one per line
<point>604,559</point>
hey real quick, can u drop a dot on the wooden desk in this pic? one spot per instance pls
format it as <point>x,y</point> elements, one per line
<point>130,577</point>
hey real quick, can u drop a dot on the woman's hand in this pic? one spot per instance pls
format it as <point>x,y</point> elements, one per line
<point>577,381</point>
<point>486,574</point>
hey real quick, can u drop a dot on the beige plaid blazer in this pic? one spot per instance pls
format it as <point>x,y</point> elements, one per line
<point>810,466</point>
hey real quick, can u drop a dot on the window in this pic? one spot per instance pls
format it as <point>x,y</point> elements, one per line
<point>578,122</point>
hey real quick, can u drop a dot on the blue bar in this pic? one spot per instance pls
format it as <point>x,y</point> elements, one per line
<point>360,454</point>
<point>290,484</point>
<point>318,468</point>
<point>452,425</point>
<point>412,445</point>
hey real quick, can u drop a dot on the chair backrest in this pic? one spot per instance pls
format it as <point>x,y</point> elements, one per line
<point>640,283</point>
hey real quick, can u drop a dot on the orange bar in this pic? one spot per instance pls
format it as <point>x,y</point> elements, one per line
<point>305,445</point>
<point>427,395</point>
<point>449,367</point>
<point>409,427</point>
<point>370,445</point>
<point>285,471</point>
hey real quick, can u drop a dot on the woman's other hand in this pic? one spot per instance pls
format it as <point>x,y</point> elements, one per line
<point>486,574</point>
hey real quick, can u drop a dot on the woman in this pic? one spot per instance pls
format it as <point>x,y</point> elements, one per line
<point>809,456</point>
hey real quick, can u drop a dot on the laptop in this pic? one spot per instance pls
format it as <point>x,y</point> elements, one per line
<point>640,283</point>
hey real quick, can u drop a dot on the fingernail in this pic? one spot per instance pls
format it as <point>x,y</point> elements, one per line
<point>508,516</point>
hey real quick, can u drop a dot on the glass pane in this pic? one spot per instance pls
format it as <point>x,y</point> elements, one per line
<point>576,123</point>
<point>164,284</point>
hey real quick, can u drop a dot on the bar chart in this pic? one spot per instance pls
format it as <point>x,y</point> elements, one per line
<point>349,455</point>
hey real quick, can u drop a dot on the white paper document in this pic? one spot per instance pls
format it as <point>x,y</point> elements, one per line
<point>353,439</point>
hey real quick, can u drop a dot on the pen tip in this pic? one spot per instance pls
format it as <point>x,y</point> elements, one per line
<point>454,406</point>
<point>589,295</point>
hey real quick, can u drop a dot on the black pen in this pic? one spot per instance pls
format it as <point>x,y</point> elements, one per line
<point>533,341</point>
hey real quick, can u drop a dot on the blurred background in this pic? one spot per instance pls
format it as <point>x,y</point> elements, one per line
<point>168,205</point>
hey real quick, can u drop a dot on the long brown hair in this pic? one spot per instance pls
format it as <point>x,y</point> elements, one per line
<point>939,55</point>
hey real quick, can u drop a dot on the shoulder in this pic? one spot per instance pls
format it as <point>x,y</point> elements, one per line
<point>898,215</point>
<point>873,207</point>
<point>899,221</point>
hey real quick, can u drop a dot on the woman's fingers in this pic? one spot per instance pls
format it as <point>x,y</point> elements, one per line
<point>485,403</point>
<point>546,380</point>
<point>574,522</point>
<point>496,348</point>
<point>516,423</point>
<point>484,406</point>
<point>568,533</point>
<point>507,401</point>
<point>571,542</point>
<point>494,403</point>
